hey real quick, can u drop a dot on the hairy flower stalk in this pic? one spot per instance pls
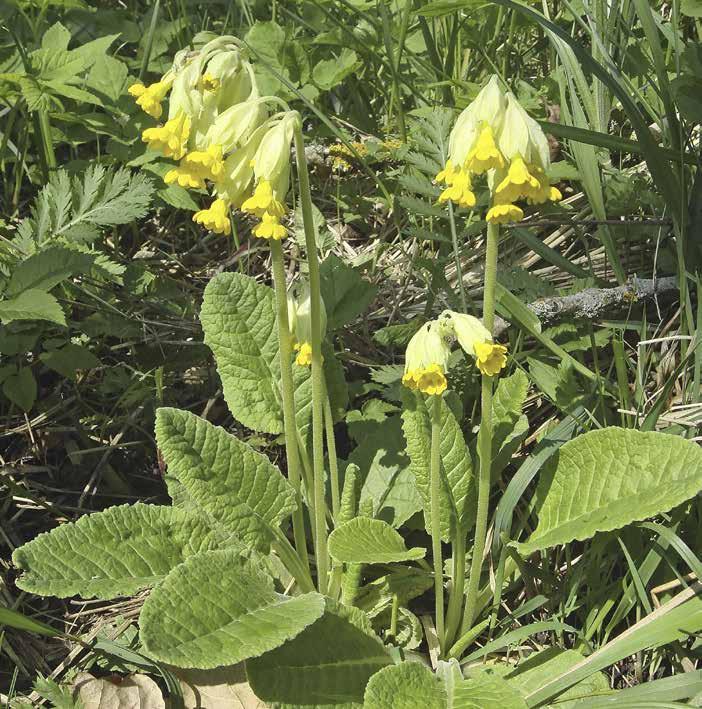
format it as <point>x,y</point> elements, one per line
<point>318,386</point>
<point>435,502</point>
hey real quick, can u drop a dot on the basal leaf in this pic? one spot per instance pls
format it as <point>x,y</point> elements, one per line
<point>217,609</point>
<point>112,553</point>
<point>327,664</point>
<point>408,685</point>
<point>606,479</point>
<point>236,486</point>
<point>369,541</point>
<point>238,318</point>
<point>484,690</point>
<point>457,491</point>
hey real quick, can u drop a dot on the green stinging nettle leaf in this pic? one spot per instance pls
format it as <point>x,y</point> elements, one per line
<point>217,609</point>
<point>606,479</point>
<point>238,488</point>
<point>112,553</point>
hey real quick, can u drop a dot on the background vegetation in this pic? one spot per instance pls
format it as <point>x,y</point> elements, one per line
<point>102,270</point>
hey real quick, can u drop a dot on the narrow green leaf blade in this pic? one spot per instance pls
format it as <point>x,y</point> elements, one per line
<point>370,541</point>
<point>606,479</point>
<point>112,553</point>
<point>217,609</point>
<point>236,486</point>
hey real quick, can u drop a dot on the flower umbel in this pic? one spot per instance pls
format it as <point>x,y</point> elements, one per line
<point>426,360</point>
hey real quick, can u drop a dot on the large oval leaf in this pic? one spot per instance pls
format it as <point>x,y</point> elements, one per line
<point>606,479</point>
<point>238,487</point>
<point>405,686</point>
<point>217,609</point>
<point>112,553</point>
<point>369,541</point>
<point>484,690</point>
<point>328,663</point>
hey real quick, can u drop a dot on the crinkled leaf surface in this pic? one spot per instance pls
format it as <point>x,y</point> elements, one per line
<point>485,690</point>
<point>112,553</point>
<point>409,685</point>
<point>218,609</point>
<point>606,479</point>
<point>237,486</point>
<point>510,426</point>
<point>238,319</point>
<point>327,664</point>
<point>369,541</point>
<point>457,490</point>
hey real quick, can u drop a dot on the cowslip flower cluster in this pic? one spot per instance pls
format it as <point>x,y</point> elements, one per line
<point>427,354</point>
<point>220,131</point>
<point>300,323</point>
<point>495,136</point>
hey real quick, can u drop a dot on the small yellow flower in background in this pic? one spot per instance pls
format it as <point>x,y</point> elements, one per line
<point>171,139</point>
<point>304,354</point>
<point>270,228</point>
<point>149,98</point>
<point>475,340</point>
<point>215,217</point>
<point>490,358</point>
<point>426,360</point>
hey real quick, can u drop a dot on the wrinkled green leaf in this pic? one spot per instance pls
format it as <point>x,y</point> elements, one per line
<point>369,541</point>
<point>408,685</point>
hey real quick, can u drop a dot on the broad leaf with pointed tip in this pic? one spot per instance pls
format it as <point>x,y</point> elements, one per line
<point>218,609</point>
<point>369,541</point>
<point>606,479</point>
<point>236,486</point>
<point>112,553</point>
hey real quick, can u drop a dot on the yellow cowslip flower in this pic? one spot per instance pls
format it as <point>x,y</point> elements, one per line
<point>270,228</point>
<point>472,146</point>
<point>304,354</point>
<point>149,98</point>
<point>215,217</point>
<point>196,167</point>
<point>426,360</point>
<point>264,201</point>
<point>459,190</point>
<point>300,323</point>
<point>171,139</point>
<point>208,82</point>
<point>504,214</point>
<point>475,340</point>
<point>490,358</point>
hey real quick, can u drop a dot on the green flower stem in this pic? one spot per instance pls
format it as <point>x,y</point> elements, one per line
<point>458,580</point>
<point>292,452</point>
<point>292,562</point>
<point>484,436</point>
<point>435,495</point>
<point>331,450</point>
<point>318,394</point>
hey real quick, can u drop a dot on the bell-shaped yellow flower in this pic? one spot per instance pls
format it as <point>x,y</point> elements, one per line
<point>270,228</point>
<point>504,214</point>
<point>304,354</point>
<point>264,201</point>
<point>426,360</point>
<point>196,167</point>
<point>149,98</point>
<point>171,139</point>
<point>459,189</point>
<point>475,340</point>
<point>215,217</point>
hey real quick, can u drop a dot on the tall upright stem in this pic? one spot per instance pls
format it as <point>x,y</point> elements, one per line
<point>484,436</point>
<point>318,387</point>
<point>292,453</point>
<point>333,460</point>
<point>435,494</point>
